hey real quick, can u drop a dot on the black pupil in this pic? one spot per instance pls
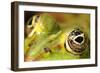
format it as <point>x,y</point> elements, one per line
<point>79,39</point>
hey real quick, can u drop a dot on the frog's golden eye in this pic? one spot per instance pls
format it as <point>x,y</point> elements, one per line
<point>75,43</point>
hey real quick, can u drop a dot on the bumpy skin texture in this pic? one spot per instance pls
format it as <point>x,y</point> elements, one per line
<point>47,39</point>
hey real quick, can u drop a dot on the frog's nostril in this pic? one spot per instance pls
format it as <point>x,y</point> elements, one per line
<point>79,39</point>
<point>47,50</point>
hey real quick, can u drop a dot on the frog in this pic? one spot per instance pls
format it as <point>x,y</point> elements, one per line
<point>46,40</point>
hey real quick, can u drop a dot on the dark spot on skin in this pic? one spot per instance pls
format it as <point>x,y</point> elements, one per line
<point>47,50</point>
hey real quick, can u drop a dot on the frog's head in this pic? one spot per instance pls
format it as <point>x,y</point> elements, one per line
<point>43,23</point>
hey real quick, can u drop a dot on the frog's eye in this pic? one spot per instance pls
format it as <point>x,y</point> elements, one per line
<point>75,42</point>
